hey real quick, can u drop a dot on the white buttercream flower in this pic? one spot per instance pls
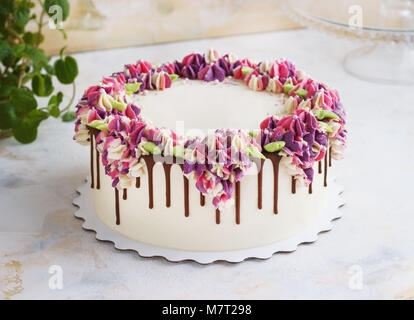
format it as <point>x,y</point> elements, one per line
<point>116,150</point>
<point>82,135</point>
<point>137,168</point>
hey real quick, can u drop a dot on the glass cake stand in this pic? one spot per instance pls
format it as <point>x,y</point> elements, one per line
<point>385,27</point>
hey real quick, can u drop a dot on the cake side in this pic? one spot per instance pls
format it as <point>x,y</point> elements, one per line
<point>201,227</point>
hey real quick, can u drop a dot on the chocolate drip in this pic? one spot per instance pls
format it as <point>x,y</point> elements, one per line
<point>325,173</point>
<point>186,198</point>
<point>137,182</point>
<point>167,172</point>
<point>320,166</point>
<point>330,156</point>
<point>98,174</point>
<point>238,202</point>
<point>124,194</point>
<point>92,170</point>
<point>118,219</point>
<point>310,188</point>
<point>293,185</point>
<point>202,200</point>
<point>149,161</point>
<point>186,194</point>
<point>217,216</point>
<point>260,182</point>
<point>275,162</point>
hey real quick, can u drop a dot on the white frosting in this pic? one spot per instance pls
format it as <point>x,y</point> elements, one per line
<point>207,106</point>
<point>168,227</point>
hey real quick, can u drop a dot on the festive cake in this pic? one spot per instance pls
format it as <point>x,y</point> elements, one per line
<point>210,153</point>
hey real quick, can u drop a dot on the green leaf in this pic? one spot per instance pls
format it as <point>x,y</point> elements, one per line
<point>51,11</point>
<point>322,114</point>
<point>274,146</point>
<point>7,85</point>
<point>53,104</point>
<point>37,56</point>
<point>8,118</point>
<point>301,93</point>
<point>31,38</point>
<point>69,116</point>
<point>246,70</point>
<point>66,69</point>
<point>23,101</point>
<point>6,7</point>
<point>151,147</point>
<point>5,49</point>
<point>254,133</point>
<point>179,151</point>
<point>18,50</point>
<point>42,85</point>
<point>21,15</point>
<point>121,106</point>
<point>253,152</point>
<point>287,87</point>
<point>54,111</point>
<point>325,127</point>
<point>98,124</point>
<point>132,87</point>
<point>26,131</point>
<point>174,77</point>
<point>37,116</point>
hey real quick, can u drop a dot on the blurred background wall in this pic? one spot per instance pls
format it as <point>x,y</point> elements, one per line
<point>102,24</point>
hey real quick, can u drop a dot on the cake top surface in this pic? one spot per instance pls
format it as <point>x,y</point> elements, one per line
<point>236,111</point>
<point>218,105</point>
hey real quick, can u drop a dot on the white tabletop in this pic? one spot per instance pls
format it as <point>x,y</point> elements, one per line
<point>368,254</point>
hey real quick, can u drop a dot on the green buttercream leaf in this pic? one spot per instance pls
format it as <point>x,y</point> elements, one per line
<point>98,124</point>
<point>301,93</point>
<point>151,147</point>
<point>121,106</point>
<point>287,87</point>
<point>254,133</point>
<point>324,126</point>
<point>133,87</point>
<point>246,70</point>
<point>253,152</point>
<point>173,77</point>
<point>322,114</point>
<point>179,151</point>
<point>274,146</point>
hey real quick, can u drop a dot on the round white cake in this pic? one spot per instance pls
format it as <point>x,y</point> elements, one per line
<point>211,153</point>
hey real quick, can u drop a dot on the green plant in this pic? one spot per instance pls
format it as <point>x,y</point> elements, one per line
<point>26,72</point>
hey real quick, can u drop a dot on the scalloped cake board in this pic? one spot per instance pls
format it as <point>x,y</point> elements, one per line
<point>92,223</point>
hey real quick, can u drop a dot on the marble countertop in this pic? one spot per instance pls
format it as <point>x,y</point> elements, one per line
<point>368,254</point>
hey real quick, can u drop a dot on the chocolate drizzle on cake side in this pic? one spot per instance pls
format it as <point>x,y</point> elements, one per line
<point>168,162</point>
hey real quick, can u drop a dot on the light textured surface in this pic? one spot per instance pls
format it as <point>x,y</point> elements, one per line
<point>374,236</point>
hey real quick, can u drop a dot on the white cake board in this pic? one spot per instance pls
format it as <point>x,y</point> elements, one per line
<point>92,223</point>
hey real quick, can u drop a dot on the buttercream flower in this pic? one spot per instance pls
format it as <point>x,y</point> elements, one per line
<point>257,82</point>
<point>212,72</point>
<point>161,80</point>
<point>191,65</point>
<point>212,55</point>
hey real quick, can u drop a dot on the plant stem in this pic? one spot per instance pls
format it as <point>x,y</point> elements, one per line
<point>23,66</point>
<point>71,99</point>
<point>40,24</point>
